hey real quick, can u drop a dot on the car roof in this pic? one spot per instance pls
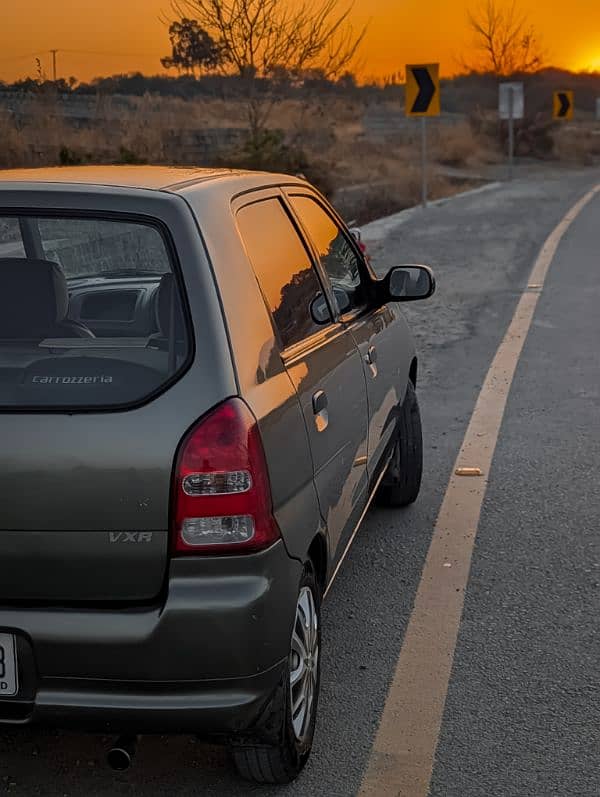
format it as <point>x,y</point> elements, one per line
<point>158,178</point>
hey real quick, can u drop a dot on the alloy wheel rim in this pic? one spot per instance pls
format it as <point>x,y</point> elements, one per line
<point>304,663</point>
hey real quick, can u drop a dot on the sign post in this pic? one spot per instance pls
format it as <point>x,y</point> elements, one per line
<point>511,106</point>
<point>424,161</point>
<point>563,106</point>
<point>422,98</point>
<point>511,133</point>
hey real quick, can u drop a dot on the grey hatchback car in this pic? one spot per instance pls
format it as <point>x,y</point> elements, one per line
<point>203,385</point>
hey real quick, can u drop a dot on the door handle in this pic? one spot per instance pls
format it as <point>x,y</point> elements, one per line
<point>371,355</point>
<point>319,402</point>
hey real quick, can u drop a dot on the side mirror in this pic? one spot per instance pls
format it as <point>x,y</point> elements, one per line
<point>408,284</point>
<point>356,234</point>
<point>341,297</point>
<point>319,310</point>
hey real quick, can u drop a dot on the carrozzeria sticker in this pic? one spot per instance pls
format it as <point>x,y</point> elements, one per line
<point>100,379</point>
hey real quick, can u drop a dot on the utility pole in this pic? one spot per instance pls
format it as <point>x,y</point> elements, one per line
<point>54,64</point>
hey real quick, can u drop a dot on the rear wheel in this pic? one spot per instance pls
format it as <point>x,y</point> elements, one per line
<point>402,481</point>
<point>294,707</point>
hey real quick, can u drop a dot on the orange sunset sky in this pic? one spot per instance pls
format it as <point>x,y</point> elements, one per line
<point>100,37</point>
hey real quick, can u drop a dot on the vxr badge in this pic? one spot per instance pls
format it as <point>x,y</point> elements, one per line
<point>130,536</point>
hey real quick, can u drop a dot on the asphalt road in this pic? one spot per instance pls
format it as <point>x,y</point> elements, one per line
<point>522,715</point>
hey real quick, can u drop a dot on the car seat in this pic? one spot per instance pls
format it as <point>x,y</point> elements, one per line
<point>34,301</point>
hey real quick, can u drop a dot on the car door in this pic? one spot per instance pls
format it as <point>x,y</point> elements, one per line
<point>377,331</point>
<point>322,361</point>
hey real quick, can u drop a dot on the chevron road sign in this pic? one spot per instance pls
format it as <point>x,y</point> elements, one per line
<point>422,98</point>
<point>563,105</point>
<point>423,90</point>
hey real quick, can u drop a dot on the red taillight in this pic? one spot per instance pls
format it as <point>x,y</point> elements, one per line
<point>221,495</point>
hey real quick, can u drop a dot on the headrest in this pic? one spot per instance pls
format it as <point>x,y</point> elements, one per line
<point>168,301</point>
<point>33,297</point>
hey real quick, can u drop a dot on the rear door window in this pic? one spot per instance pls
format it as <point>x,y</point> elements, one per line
<point>283,268</point>
<point>338,257</point>
<point>91,312</point>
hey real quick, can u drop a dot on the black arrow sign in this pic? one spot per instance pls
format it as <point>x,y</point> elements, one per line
<point>426,90</point>
<point>565,104</point>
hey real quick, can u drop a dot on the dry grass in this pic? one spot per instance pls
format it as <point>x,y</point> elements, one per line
<point>40,139</point>
<point>13,147</point>
<point>376,178</point>
<point>459,146</point>
<point>578,143</point>
<point>377,200</point>
<point>145,125</point>
<point>368,177</point>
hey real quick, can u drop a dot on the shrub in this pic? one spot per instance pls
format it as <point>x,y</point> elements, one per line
<point>127,157</point>
<point>577,143</point>
<point>68,157</point>
<point>268,151</point>
<point>534,137</point>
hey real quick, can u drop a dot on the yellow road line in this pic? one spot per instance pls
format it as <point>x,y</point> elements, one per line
<point>402,757</point>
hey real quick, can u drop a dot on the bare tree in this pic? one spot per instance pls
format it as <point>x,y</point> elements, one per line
<point>505,41</point>
<point>264,41</point>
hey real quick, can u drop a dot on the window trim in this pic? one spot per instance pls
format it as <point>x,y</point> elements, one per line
<point>364,271</point>
<point>175,266</point>
<point>308,341</point>
<point>299,351</point>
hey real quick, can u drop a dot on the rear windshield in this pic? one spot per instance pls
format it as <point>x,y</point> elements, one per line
<point>91,314</point>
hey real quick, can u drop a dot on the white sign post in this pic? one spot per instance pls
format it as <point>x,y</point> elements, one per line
<point>511,106</point>
<point>598,109</point>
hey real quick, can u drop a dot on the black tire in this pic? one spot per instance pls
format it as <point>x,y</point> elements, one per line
<point>402,481</point>
<point>282,761</point>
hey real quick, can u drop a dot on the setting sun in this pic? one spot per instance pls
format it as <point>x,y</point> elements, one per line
<point>590,64</point>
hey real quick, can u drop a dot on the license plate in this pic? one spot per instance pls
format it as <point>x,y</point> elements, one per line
<point>9,685</point>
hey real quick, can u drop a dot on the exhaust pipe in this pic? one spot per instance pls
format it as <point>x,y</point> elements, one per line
<point>120,755</point>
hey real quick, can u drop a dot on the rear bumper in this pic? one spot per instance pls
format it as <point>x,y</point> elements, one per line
<point>205,661</point>
<point>210,709</point>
